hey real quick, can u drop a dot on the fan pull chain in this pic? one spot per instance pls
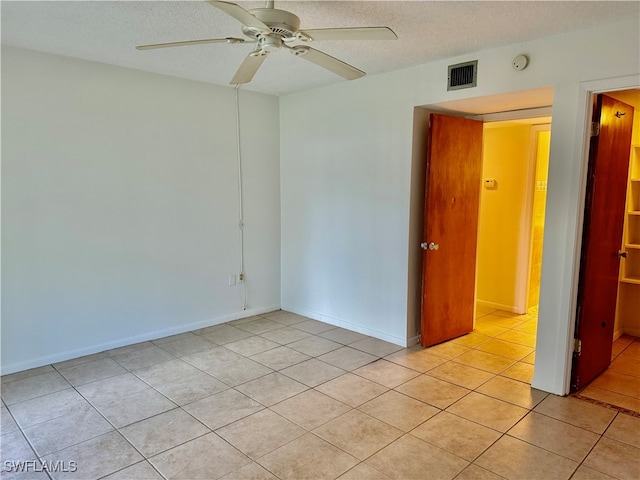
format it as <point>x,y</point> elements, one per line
<point>243,279</point>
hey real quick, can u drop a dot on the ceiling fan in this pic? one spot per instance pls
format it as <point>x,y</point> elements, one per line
<point>272,29</point>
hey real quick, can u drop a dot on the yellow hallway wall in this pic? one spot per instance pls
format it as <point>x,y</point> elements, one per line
<point>506,159</point>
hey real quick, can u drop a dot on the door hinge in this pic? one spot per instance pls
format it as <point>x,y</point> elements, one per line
<point>595,129</point>
<point>577,346</point>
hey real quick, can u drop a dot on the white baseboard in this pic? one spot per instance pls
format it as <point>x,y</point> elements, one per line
<point>403,342</point>
<point>81,352</point>
<point>497,306</point>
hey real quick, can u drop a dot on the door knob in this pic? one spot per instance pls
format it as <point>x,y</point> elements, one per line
<point>429,246</point>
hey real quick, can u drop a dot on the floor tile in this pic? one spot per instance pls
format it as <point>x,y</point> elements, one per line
<point>576,412</point>
<point>259,325</point>
<point>358,434</point>
<point>92,371</point>
<point>363,471</point>
<point>471,339</point>
<point>386,373</point>
<point>615,458</point>
<point>619,383</point>
<point>206,457</point>
<point>488,362</point>
<point>239,371</point>
<point>625,429</point>
<point>32,372</point>
<point>586,473</point>
<point>347,358</point>
<point>462,375</point>
<point>514,459</point>
<point>61,432</point>
<point>314,346</point>
<point>556,436</point>
<point>310,409</point>
<point>271,389</point>
<point>209,360</point>
<point>632,351</point>
<point>280,358</point>
<point>7,423</point>
<point>342,335</point>
<point>180,382</point>
<point>112,388</point>
<point>433,391</point>
<point>308,457</point>
<point>505,349</point>
<point>530,326</point>
<point>223,334</point>
<point>15,448</point>
<point>375,346</point>
<point>162,432</point>
<point>79,361</point>
<point>456,435</point>
<point>612,398</point>
<point>285,335</point>
<point>138,471</point>
<point>512,391</point>
<point>143,357</point>
<point>134,407</point>
<point>185,345</point>
<point>312,372</point>
<point>33,386</point>
<point>97,457</point>
<point>285,318</point>
<point>519,337</point>
<point>128,348</point>
<point>626,365</point>
<point>474,472</point>
<point>351,389</point>
<point>223,408</point>
<point>251,345</point>
<point>251,471</point>
<point>417,359</point>
<point>46,407</point>
<point>488,329</point>
<point>520,371</point>
<point>260,433</point>
<point>398,410</point>
<point>447,350</point>
<point>314,326</point>
<point>488,411</point>
<point>531,358</point>
<point>411,458</point>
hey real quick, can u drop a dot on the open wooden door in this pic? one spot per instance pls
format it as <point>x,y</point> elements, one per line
<point>601,239</point>
<point>454,171</point>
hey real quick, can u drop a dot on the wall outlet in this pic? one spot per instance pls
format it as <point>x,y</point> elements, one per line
<point>232,280</point>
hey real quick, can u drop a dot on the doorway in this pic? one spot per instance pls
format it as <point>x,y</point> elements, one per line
<point>511,217</point>
<point>619,384</point>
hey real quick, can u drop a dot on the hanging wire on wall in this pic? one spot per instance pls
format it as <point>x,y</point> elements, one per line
<point>243,278</point>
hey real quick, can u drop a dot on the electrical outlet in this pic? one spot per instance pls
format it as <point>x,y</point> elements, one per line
<point>232,280</point>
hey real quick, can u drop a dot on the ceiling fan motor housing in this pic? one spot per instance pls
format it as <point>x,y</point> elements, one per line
<point>280,22</point>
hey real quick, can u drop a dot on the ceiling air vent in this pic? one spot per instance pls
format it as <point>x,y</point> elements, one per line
<point>463,75</point>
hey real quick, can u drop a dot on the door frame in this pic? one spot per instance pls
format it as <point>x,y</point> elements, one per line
<point>587,92</point>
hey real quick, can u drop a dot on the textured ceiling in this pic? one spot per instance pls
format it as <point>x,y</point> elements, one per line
<point>108,31</point>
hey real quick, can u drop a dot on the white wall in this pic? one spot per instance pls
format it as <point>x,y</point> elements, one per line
<point>346,183</point>
<point>120,206</point>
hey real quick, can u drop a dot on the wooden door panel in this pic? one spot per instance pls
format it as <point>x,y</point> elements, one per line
<point>602,238</point>
<point>454,170</point>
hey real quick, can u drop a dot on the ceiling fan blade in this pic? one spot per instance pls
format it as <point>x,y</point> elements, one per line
<point>248,68</point>
<point>355,33</point>
<point>240,14</point>
<point>327,61</point>
<point>190,42</point>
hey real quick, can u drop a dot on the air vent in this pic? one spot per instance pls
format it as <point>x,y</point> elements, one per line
<point>463,75</point>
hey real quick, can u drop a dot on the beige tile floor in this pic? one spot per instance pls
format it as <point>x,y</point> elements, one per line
<point>282,396</point>
<point>620,384</point>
